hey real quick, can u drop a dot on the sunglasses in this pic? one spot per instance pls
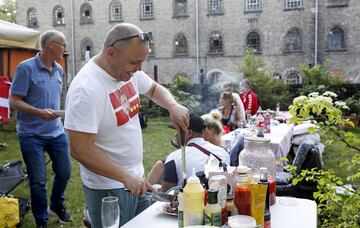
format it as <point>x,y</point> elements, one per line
<point>143,37</point>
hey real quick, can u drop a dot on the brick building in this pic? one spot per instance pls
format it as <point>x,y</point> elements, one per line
<point>211,34</point>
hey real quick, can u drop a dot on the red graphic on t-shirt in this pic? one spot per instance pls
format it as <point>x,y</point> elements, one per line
<point>125,102</point>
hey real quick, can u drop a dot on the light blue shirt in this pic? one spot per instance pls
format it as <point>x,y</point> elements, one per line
<point>41,89</point>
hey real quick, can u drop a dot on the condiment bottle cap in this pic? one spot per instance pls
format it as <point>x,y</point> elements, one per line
<point>242,169</point>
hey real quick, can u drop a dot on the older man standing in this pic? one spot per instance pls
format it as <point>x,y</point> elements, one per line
<point>102,107</point>
<point>35,94</point>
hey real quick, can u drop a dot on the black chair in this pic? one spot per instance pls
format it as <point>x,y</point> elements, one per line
<point>306,158</point>
<point>11,175</point>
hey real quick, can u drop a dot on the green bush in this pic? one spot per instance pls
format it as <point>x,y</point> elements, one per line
<point>268,89</point>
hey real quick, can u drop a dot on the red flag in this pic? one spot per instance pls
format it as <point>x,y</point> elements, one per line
<point>4,99</point>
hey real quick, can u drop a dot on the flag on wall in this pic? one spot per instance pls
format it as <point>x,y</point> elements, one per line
<point>4,99</point>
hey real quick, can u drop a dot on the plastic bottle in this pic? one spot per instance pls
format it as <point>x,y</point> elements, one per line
<point>213,210</point>
<point>242,197</point>
<point>260,124</point>
<point>267,123</point>
<point>193,201</point>
<point>264,180</point>
<point>219,182</point>
<point>181,208</point>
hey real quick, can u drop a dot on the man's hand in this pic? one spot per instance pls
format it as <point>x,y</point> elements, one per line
<point>47,114</point>
<point>137,185</point>
<point>180,116</point>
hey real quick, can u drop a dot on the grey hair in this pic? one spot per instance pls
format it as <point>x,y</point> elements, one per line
<point>246,83</point>
<point>48,36</point>
<point>119,31</point>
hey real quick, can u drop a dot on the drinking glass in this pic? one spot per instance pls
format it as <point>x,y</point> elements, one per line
<point>277,108</point>
<point>110,212</point>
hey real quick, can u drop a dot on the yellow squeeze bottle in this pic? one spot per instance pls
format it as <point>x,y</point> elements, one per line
<point>193,198</point>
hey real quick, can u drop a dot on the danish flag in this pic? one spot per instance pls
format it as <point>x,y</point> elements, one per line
<point>125,102</point>
<point>4,99</point>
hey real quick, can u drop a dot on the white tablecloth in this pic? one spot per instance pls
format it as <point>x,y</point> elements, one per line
<point>287,212</point>
<point>280,138</point>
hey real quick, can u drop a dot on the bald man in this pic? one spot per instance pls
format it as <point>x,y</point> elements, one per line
<point>102,107</point>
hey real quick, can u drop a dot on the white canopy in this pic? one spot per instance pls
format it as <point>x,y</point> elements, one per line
<point>14,35</point>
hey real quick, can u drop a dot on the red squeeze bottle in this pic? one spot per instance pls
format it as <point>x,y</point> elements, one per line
<point>242,197</point>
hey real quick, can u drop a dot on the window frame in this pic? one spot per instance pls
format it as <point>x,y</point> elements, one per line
<point>147,15</point>
<point>331,35</point>
<point>56,19</point>
<point>176,13</point>
<point>84,42</point>
<point>113,18</point>
<point>299,42</point>
<point>216,51</point>
<point>83,18</point>
<point>289,2</point>
<point>337,3</point>
<point>186,48</point>
<point>255,50</point>
<point>217,5</point>
<point>258,9</point>
<point>32,20</point>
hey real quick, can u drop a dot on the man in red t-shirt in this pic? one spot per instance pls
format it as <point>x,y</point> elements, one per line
<point>248,97</point>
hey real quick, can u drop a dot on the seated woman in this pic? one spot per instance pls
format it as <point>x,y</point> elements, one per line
<point>213,128</point>
<point>230,115</point>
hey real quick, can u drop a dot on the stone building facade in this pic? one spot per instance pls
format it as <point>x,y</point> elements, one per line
<point>211,35</point>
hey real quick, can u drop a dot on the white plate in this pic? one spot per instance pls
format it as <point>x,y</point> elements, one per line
<point>161,208</point>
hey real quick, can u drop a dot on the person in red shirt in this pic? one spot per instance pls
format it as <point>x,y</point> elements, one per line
<point>248,97</point>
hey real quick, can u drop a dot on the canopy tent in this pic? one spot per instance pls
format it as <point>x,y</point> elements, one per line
<point>14,35</point>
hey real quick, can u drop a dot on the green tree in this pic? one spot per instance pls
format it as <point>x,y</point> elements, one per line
<point>7,10</point>
<point>268,89</point>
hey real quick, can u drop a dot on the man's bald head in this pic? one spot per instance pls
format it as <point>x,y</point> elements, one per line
<point>120,31</point>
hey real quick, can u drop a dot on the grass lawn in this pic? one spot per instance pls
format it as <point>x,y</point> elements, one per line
<point>156,146</point>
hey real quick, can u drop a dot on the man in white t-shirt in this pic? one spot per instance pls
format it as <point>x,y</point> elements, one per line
<point>102,107</point>
<point>197,152</point>
<point>229,87</point>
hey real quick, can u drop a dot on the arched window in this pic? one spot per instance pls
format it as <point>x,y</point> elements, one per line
<point>336,38</point>
<point>146,9</point>
<point>59,17</point>
<point>293,40</point>
<point>115,11</point>
<point>180,8</point>
<point>216,43</point>
<point>215,7</point>
<point>86,13</point>
<point>87,49</point>
<point>293,77</point>
<point>253,41</point>
<point>32,18</point>
<point>180,43</point>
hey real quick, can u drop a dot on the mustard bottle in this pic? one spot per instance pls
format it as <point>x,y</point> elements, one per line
<point>193,198</point>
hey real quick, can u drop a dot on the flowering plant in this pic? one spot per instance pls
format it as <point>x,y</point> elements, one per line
<point>319,107</point>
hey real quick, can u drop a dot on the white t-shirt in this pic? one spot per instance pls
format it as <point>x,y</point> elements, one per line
<point>96,103</point>
<point>194,159</point>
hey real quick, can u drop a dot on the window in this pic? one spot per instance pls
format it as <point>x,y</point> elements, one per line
<point>180,45</point>
<point>115,11</point>
<point>180,8</point>
<point>293,4</point>
<point>336,39</point>
<point>338,3</point>
<point>215,6</point>
<point>58,13</point>
<point>32,19</point>
<point>293,40</point>
<point>87,49</point>
<point>86,14</point>
<point>216,45</point>
<point>292,77</point>
<point>253,41</point>
<point>252,5</point>
<point>147,9</point>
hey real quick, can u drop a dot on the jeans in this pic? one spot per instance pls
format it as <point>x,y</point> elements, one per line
<point>33,150</point>
<point>130,205</point>
<point>235,151</point>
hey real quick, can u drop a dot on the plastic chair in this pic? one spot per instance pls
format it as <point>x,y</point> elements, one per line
<point>11,175</point>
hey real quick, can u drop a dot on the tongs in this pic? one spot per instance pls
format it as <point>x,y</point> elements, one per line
<point>160,196</point>
<point>183,158</point>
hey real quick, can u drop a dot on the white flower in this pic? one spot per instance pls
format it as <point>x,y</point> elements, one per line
<point>341,104</point>
<point>299,99</point>
<point>314,94</point>
<point>330,94</point>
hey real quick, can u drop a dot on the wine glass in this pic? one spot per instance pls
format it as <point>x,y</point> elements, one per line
<point>110,212</point>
